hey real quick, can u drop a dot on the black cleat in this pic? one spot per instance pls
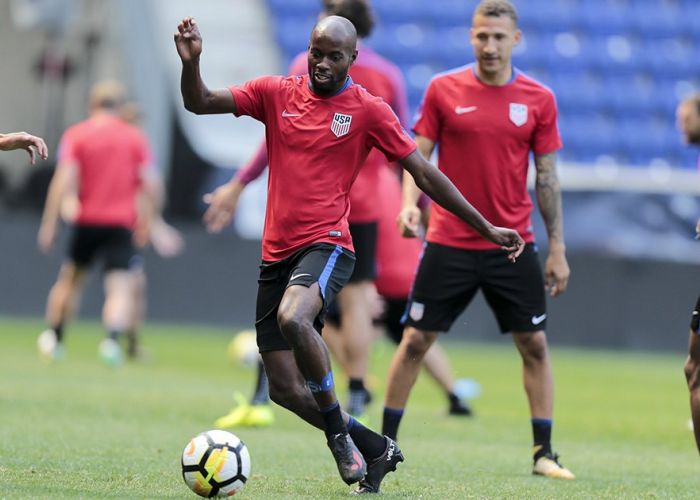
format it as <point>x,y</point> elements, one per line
<point>380,467</point>
<point>351,464</point>
<point>461,409</point>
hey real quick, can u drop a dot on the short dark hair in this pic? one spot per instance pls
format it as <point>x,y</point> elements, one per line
<point>358,12</point>
<point>497,8</point>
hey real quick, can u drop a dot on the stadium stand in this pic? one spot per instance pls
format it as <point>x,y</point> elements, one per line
<point>618,67</point>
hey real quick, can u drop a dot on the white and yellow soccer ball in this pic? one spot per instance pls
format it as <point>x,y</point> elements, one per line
<point>216,463</point>
<point>243,349</point>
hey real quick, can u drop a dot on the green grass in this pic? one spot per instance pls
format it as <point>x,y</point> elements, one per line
<point>80,429</point>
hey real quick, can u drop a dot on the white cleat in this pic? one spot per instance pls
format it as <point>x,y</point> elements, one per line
<point>548,466</point>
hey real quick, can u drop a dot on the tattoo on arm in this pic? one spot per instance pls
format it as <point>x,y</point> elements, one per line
<point>548,195</point>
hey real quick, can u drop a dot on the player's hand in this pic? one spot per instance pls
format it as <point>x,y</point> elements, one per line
<point>222,202</point>
<point>46,237</point>
<point>556,272</point>
<point>509,240</point>
<point>188,40</point>
<point>409,221</point>
<point>30,143</point>
<point>166,240</point>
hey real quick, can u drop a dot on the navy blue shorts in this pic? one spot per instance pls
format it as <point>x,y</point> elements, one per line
<point>328,265</point>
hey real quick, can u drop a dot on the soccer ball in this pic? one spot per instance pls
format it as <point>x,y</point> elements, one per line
<point>243,348</point>
<point>216,464</point>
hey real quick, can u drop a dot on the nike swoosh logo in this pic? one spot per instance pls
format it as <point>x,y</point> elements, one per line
<point>463,110</point>
<point>536,320</point>
<point>285,114</point>
<point>295,276</point>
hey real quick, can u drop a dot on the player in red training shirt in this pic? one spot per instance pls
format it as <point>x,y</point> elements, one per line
<point>688,114</point>
<point>319,129</point>
<point>486,119</point>
<point>382,79</point>
<point>21,140</point>
<point>106,161</point>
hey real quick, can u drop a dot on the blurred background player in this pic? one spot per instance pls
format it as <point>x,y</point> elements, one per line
<point>688,117</point>
<point>21,140</point>
<point>108,163</point>
<point>485,119</point>
<point>383,79</point>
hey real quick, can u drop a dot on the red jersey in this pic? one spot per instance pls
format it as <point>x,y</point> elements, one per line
<point>484,135</point>
<point>397,257</point>
<point>383,79</point>
<point>109,154</point>
<point>316,147</point>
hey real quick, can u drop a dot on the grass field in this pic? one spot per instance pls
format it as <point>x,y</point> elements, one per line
<point>80,429</point>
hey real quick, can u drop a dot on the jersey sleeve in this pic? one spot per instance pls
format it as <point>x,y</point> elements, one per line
<point>546,138</point>
<point>386,133</point>
<point>255,166</point>
<point>427,121</point>
<point>251,97</point>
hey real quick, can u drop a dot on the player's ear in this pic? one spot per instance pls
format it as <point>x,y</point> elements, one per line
<point>518,37</point>
<point>353,57</point>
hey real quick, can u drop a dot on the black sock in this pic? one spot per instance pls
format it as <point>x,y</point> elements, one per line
<point>262,393</point>
<point>392,419</point>
<point>370,444</point>
<point>542,433</point>
<point>114,334</point>
<point>58,330</point>
<point>358,397</point>
<point>333,419</point>
<point>452,397</point>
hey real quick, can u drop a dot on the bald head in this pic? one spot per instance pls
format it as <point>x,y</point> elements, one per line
<point>336,28</point>
<point>332,49</point>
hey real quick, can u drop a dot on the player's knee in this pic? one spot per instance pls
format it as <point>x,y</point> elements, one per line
<point>532,346</point>
<point>416,343</point>
<point>293,325</point>
<point>692,372</point>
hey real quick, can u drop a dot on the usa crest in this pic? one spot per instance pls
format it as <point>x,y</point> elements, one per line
<point>518,114</point>
<point>341,124</point>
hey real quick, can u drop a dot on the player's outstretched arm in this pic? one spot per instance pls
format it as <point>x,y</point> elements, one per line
<point>548,192</point>
<point>436,185</point>
<point>195,94</point>
<point>222,202</point>
<point>21,140</point>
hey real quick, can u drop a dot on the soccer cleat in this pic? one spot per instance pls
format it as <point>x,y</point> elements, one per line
<point>548,465</point>
<point>50,349</point>
<point>351,464</point>
<point>380,467</point>
<point>460,408</point>
<point>259,416</point>
<point>110,352</point>
<point>237,416</point>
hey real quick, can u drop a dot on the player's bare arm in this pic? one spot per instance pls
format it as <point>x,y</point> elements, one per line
<point>441,190</point>
<point>548,192</point>
<point>222,202</point>
<point>410,216</point>
<point>21,140</point>
<point>196,96</point>
<point>63,181</point>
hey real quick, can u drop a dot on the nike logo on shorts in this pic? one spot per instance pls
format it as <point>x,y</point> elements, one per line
<point>461,110</point>
<point>536,320</point>
<point>285,114</point>
<point>300,275</point>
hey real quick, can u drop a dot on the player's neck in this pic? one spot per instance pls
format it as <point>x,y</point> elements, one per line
<point>495,79</point>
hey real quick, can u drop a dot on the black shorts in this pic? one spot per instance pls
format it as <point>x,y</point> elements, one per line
<point>328,265</point>
<point>695,319</point>
<point>364,239</point>
<point>448,278</point>
<point>112,244</point>
<point>394,310</point>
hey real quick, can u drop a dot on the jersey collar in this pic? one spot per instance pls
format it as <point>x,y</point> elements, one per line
<point>348,83</point>
<point>514,75</point>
